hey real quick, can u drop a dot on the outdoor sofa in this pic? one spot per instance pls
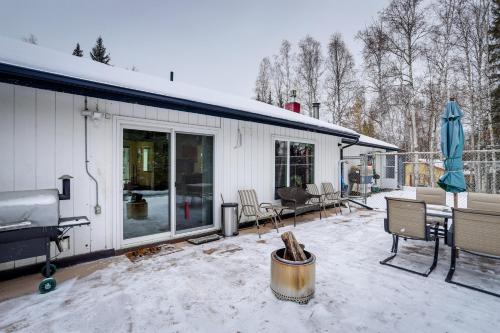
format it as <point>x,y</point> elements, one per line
<point>297,200</point>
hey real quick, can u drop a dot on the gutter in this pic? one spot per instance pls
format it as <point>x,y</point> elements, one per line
<point>370,145</point>
<point>56,82</point>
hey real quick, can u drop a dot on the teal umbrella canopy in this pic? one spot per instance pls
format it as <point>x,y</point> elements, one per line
<point>452,147</point>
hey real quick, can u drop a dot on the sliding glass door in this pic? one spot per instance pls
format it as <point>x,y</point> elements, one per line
<point>194,181</point>
<point>146,183</point>
<point>167,182</point>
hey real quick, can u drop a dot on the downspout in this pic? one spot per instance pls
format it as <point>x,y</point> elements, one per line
<point>97,208</point>
<point>342,147</point>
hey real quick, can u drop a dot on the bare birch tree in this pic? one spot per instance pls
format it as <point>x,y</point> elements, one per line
<point>282,74</point>
<point>438,52</point>
<point>340,83</point>
<point>286,60</point>
<point>309,70</point>
<point>278,82</point>
<point>263,85</point>
<point>480,10</point>
<point>378,72</point>
<point>406,25</point>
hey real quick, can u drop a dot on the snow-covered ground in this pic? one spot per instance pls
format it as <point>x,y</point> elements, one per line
<point>224,287</point>
<point>378,200</point>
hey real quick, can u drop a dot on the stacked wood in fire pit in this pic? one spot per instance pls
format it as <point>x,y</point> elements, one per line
<point>294,251</point>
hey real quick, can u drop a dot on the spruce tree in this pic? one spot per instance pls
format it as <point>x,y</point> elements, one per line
<point>78,51</point>
<point>98,52</point>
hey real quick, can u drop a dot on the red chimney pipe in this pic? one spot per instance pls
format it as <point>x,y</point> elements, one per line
<point>293,106</point>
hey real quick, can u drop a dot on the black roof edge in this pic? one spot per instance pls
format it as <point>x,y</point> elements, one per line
<point>61,83</point>
<point>371,145</point>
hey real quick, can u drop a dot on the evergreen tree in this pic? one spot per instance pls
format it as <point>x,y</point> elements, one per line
<point>31,39</point>
<point>98,52</point>
<point>78,51</point>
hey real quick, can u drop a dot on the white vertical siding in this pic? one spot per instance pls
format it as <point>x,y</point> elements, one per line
<point>46,138</point>
<point>7,137</point>
<point>24,139</point>
<point>42,135</point>
<point>25,145</point>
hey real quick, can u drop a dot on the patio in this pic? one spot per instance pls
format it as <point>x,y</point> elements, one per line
<point>224,287</point>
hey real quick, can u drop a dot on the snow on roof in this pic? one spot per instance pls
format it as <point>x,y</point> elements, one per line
<point>372,141</point>
<point>25,55</point>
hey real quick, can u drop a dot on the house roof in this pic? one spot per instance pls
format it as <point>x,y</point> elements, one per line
<point>32,65</point>
<point>367,141</point>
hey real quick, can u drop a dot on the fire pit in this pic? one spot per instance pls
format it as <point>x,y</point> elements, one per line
<point>293,280</point>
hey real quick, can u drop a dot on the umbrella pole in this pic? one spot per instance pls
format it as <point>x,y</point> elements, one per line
<point>455,200</point>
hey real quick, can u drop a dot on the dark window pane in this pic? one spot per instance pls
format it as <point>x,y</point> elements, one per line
<point>146,199</point>
<point>280,165</point>
<point>194,181</point>
<point>301,164</point>
<point>390,166</point>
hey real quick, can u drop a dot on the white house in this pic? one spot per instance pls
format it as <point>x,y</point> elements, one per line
<point>160,154</point>
<point>385,165</point>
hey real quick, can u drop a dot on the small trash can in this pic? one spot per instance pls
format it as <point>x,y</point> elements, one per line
<point>229,223</point>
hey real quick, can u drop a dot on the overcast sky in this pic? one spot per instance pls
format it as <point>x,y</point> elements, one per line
<point>216,44</point>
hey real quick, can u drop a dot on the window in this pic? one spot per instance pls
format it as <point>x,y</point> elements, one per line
<point>293,164</point>
<point>390,166</point>
<point>145,159</point>
<point>280,164</point>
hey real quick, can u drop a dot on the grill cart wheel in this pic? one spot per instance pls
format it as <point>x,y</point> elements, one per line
<point>52,270</point>
<point>47,285</point>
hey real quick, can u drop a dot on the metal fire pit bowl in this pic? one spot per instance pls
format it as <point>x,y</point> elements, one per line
<point>293,280</point>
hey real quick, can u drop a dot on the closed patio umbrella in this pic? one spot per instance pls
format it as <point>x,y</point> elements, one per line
<point>452,147</point>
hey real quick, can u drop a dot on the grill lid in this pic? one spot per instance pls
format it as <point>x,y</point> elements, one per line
<point>40,207</point>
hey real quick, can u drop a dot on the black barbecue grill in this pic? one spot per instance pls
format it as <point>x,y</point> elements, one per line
<point>29,222</point>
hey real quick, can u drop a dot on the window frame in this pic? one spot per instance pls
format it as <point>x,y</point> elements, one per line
<point>288,140</point>
<point>393,167</point>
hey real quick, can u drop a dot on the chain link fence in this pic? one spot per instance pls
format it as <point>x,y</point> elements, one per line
<point>368,179</point>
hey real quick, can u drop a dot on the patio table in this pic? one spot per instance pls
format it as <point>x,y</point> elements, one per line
<point>441,212</point>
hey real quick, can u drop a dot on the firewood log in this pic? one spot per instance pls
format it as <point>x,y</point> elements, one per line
<point>293,248</point>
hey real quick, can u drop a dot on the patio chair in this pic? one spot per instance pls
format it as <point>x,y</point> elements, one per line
<point>321,199</point>
<point>483,201</point>
<point>434,196</point>
<point>406,218</point>
<point>297,200</point>
<point>476,232</point>
<point>260,211</point>
<point>330,193</point>
<point>431,195</point>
